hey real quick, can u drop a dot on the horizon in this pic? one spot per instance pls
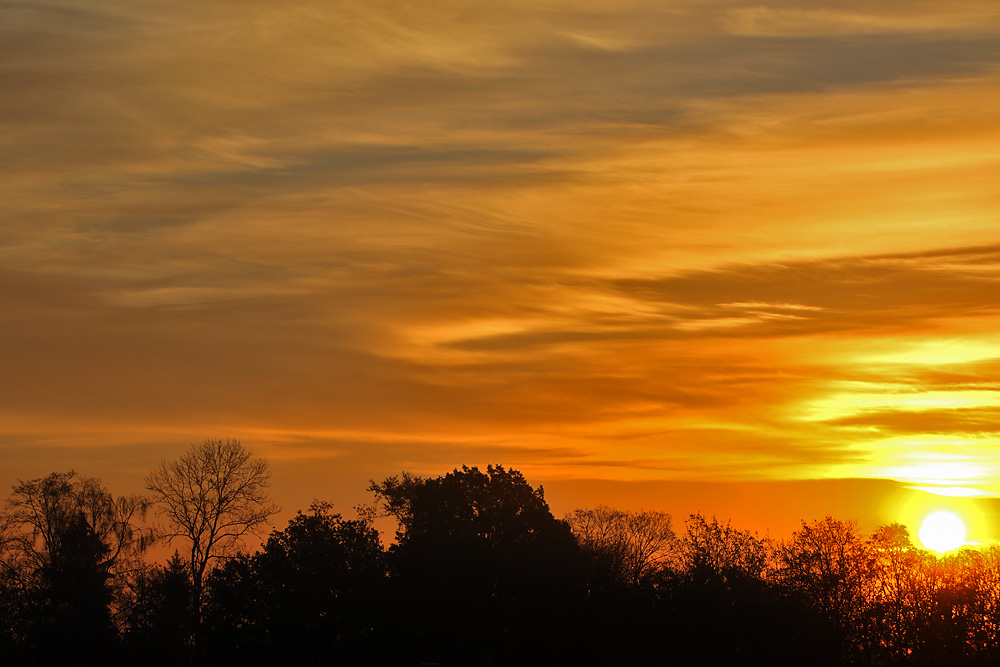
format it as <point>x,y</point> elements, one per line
<point>773,510</point>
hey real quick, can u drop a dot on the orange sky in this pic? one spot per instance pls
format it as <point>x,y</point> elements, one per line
<point>671,254</point>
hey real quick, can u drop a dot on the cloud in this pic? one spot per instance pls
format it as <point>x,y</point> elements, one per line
<point>890,291</point>
<point>964,421</point>
<point>774,19</point>
<point>519,229</point>
<point>887,293</point>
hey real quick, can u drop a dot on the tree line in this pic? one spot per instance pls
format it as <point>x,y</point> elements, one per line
<point>479,572</point>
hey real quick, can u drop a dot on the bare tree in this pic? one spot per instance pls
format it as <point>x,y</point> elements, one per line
<point>69,554</point>
<point>711,548</point>
<point>825,563</point>
<point>46,517</point>
<point>212,496</point>
<point>632,544</point>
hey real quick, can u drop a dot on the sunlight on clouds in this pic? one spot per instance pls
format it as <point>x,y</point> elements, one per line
<point>923,415</point>
<point>603,42</point>
<point>936,351</point>
<point>940,159</point>
<point>747,181</point>
<point>951,466</point>
<point>774,306</point>
<point>633,240</point>
<point>184,296</point>
<point>428,337</point>
<point>951,491</point>
<point>938,462</point>
<point>928,399</point>
<point>767,21</point>
<point>848,398</point>
<point>715,323</point>
<point>763,21</point>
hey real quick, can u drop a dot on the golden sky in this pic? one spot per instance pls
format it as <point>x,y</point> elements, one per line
<point>647,252</point>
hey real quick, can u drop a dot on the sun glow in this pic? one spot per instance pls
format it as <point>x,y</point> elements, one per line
<point>942,531</point>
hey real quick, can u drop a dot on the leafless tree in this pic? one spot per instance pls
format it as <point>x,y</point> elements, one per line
<point>67,528</point>
<point>212,496</point>
<point>42,508</point>
<point>825,563</point>
<point>632,544</point>
<point>710,547</point>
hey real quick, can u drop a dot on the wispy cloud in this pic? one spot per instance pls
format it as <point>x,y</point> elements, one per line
<point>526,230</point>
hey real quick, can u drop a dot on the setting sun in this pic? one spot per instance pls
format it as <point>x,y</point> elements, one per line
<point>942,531</point>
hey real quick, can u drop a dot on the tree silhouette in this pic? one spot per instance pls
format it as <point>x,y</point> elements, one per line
<point>891,591</point>
<point>627,545</point>
<point>480,573</point>
<point>948,622</point>
<point>159,622</point>
<point>69,548</point>
<point>314,591</point>
<point>212,496</point>
<point>722,605</point>
<point>825,564</point>
<point>481,567</point>
<point>709,548</point>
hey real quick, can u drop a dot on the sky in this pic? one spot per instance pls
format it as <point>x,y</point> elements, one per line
<point>692,255</point>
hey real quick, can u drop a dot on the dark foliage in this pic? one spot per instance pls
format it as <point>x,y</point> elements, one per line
<point>481,570</point>
<point>481,573</point>
<point>70,550</point>
<point>160,622</point>
<point>310,597</point>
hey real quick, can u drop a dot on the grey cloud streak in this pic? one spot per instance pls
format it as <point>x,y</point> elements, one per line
<point>887,292</point>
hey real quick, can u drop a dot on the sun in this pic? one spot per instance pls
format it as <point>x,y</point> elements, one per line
<point>942,531</point>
